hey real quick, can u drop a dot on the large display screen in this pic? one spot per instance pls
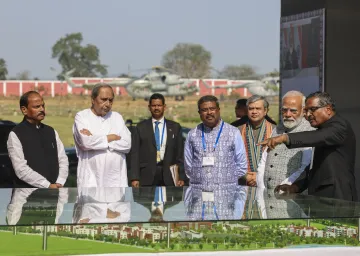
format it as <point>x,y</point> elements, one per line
<point>302,43</point>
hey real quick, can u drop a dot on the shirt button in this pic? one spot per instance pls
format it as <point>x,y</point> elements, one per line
<point>269,179</point>
<point>271,166</point>
<point>276,154</point>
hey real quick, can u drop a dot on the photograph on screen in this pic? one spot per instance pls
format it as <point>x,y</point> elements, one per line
<point>301,52</point>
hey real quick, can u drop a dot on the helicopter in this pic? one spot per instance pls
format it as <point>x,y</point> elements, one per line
<point>156,80</point>
<point>268,86</point>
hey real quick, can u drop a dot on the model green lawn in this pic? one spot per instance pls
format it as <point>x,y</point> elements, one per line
<point>30,244</point>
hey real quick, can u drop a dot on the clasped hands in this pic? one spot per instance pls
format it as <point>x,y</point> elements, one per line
<point>110,137</point>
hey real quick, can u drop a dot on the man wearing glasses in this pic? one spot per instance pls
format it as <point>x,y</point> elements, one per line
<point>332,173</point>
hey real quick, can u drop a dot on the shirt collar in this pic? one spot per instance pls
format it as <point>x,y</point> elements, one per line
<point>207,129</point>
<point>161,120</point>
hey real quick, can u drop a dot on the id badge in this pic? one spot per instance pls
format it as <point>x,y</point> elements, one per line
<point>158,156</point>
<point>207,196</point>
<point>208,161</point>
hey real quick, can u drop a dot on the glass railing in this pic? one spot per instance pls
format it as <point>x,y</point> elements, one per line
<point>168,208</point>
<point>29,206</point>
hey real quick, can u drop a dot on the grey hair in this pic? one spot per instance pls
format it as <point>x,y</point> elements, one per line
<point>96,90</point>
<point>324,99</point>
<point>295,94</point>
<point>255,98</point>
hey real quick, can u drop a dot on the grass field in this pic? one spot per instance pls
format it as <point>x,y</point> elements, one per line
<point>29,245</point>
<point>61,110</point>
<point>284,222</point>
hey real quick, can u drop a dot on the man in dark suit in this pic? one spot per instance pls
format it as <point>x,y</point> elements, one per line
<point>240,111</point>
<point>157,144</point>
<point>332,172</point>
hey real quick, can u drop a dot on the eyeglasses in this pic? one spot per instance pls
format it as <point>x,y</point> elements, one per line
<point>205,110</point>
<point>312,109</point>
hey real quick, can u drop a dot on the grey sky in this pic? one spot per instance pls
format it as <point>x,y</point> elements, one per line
<point>139,32</point>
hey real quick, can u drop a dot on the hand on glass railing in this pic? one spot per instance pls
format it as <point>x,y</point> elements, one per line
<point>135,183</point>
<point>286,189</point>
<point>181,183</point>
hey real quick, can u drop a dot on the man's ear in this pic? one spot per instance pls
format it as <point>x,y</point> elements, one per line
<point>23,110</point>
<point>329,110</point>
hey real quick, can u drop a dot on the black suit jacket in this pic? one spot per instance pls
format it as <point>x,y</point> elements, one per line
<point>332,174</point>
<point>143,153</point>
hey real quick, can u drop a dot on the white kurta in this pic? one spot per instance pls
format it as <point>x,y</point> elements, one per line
<point>101,163</point>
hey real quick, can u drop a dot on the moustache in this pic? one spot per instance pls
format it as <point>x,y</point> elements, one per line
<point>41,114</point>
<point>289,120</point>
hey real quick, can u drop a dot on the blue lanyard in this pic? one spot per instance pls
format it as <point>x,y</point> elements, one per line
<point>162,135</point>
<point>217,138</point>
<point>203,211</point>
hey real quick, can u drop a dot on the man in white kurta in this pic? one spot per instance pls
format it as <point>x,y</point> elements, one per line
<point>102,140</point>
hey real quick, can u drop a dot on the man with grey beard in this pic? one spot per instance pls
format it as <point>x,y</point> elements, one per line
<point>283,165</point>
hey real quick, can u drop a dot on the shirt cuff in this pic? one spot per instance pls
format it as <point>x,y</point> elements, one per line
<point>61,181</point>
<point>45,184</point>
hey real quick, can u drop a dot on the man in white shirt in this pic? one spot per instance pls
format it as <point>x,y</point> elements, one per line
<point>37,154</point>
<point>102,141</point>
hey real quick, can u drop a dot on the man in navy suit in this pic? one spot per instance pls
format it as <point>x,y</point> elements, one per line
<point>157,144</point>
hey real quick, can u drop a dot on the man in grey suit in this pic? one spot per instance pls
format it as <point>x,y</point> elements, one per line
<point>332,173</point>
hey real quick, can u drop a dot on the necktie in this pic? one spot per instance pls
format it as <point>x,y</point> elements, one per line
<point>157,140</point>
<point>157,196</point>
<point>157,135</point>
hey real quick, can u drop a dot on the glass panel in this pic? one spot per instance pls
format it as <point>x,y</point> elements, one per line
<point>30,206</point>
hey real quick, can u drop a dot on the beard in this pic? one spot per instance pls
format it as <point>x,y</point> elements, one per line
<point>291,123</point>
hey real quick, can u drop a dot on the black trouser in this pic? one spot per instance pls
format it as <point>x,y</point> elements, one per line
<point>159,176</point>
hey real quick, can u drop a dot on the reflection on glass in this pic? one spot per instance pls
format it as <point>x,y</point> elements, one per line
<point>162,203</point>
<point>222,203</point>
<point>106,205</point>
<point>36,206</point>
<point>31,206</point>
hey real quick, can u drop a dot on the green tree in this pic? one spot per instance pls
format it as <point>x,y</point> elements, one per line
<point>23,75</point>
<point>72,55</point>
<point>274,73</point>
<point>237,72</point>
<point>3,69</point>
<point>188,60</point>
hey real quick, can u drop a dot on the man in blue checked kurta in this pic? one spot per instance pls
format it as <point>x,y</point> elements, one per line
<point>215,156</point>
